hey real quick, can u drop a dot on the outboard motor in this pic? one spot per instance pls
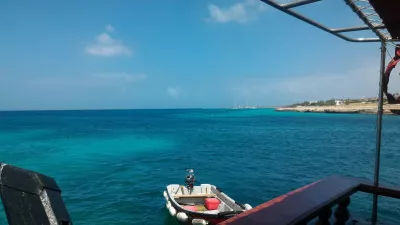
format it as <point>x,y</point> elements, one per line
<point>190,179</point>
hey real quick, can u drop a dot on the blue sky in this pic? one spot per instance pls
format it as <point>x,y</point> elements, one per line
<point>177,54</point>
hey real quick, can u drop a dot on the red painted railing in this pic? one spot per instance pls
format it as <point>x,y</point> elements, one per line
<point>313,202</point>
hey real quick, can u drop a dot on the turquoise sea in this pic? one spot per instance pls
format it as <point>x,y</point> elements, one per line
<point>113,165</point>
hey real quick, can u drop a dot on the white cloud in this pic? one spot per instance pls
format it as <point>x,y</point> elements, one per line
<point>105,45</point>
<point>104,39</point>
<point>241,12</point>
<point>109,28</point>
<point>173,92</point>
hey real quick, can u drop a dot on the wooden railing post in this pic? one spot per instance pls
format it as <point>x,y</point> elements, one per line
<point>324,217</point>
<point>342,213</point>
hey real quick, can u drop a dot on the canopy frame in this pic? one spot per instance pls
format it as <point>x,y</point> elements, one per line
<point>373,22</point>
<point>362,8</point>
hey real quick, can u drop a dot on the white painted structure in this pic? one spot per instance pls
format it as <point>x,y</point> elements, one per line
<point>339,102</point>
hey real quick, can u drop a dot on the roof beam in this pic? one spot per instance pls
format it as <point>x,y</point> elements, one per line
<point>316,24</point>
<point>350,29</point>
<point>359,13</point>
<point>298,3</point>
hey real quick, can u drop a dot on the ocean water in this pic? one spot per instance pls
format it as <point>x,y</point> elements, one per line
<point>113,165</point>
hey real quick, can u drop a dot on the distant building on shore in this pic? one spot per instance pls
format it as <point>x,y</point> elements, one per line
<point>339,102</point>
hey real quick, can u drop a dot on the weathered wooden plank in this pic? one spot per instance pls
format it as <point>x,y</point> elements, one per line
<point>26,180</point>
<point>31,198</point>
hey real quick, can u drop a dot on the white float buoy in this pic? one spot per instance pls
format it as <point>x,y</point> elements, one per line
<point>199,222</point>
<point>168,204</point>
<point>247,206</point>
<point>182,217</point>
<point>165,195</point>
<point>172,211</point>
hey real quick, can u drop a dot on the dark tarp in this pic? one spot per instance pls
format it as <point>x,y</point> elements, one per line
<point>389,12</point>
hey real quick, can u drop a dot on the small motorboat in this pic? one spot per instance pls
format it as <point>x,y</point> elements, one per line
<point>200,205</point>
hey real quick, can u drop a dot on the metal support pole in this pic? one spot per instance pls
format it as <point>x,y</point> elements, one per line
<point>378,134</point>
<point>350,29</point>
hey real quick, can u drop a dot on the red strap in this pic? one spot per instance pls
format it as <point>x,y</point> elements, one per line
<point>392,64</point>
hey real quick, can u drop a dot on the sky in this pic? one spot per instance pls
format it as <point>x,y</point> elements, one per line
<point>98,54</point>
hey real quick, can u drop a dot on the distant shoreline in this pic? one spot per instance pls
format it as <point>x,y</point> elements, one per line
<point>345,109</point>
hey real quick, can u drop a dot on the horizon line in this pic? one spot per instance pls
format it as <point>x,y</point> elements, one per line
<point>99,109</point>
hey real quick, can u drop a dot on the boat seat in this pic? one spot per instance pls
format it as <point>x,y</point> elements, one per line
<point>211,211</point>
<point>227,201</point>
<point>195,208</point>
<point>196,196</point>
<point>223,207</point>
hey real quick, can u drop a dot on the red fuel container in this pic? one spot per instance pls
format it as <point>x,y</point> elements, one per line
<point>211,203</point>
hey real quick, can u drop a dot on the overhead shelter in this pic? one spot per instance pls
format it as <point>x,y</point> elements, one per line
<point>382,17</point>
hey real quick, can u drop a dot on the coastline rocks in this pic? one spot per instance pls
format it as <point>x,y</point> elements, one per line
<point>388,109</point>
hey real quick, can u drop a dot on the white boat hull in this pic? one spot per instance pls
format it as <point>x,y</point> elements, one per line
<point>178,198</point>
